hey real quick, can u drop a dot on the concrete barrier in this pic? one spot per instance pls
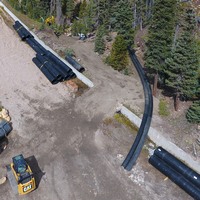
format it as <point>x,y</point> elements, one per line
<point>159,140</point>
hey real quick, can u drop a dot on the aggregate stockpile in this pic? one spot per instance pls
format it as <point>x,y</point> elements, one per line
<point>50,65</point>
<point>177,171</point>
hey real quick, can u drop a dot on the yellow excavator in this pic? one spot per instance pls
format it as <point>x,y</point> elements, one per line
<point>20,176</point>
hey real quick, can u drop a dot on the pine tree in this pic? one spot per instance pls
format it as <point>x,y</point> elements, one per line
<point>160,38</point>
<point>34,9</point>
<point>182,67</point>
<point>89,17</point>
<point>142,12</point>
<point>82,11</point>
<point>102,9</point>
<point>193,113</point>
<point>85,22</point>
<point>198,72</point>
<point>118,58</point>
<point>78,27</point>
<point>99,40</point>
<point>122,19</point>
<point>68,7</point>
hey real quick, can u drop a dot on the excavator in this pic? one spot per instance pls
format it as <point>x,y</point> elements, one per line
<point>19,172</point>
<point>20,175</point>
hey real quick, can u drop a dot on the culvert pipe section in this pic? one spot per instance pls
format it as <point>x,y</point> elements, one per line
<point>138,144</point>
<point>66,70</point>
<point>64,73</point>
<point>49,67</point>
<point>45,71</point>
<point>57,61</point>
<point>176,177</point>
<point>75,64</point>
<point>38,48</point>
<point>22,31</point>
<point>179,166</point>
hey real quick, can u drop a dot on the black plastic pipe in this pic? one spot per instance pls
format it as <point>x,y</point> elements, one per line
<point>61,65</point>
<point>136,148</point>
<point>37,47</point>
<point>20,33</point>
<point>66,74</point>
<point>45,71</point>
<point>50,67</point>
<point>179,166</point>
<point>57,61</point>
<point>70,75</point>
<point>34,46</point>
<point>75,64</point>
<point>53,64</point>
<point>24,30</point>
<point>176,177</point>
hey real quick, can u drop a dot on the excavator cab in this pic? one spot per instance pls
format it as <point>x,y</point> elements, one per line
<point>20,175</point>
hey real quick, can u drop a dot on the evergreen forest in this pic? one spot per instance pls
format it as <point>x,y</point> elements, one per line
<point>171,41</point>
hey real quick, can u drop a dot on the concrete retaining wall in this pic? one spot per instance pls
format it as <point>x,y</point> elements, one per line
<point>159,140</point>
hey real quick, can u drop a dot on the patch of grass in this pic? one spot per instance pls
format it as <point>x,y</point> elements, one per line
<point>124,120</point>
<point>69,52</point>
<point>107,121</point>
<point>127,71</point>
<point>163,108</point>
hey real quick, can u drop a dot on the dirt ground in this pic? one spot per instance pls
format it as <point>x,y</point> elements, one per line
<point>174,127</point>
<point>80,155</point>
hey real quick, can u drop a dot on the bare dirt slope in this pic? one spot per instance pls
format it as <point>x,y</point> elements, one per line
<point>79,155</point>
<point>110,86</point>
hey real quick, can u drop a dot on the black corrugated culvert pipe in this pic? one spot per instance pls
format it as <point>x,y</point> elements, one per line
<point>66,74</point>
<point>71,75</point>
<point>50,67</point>
<point>176,177</point>
<point>38,48</point>
<point>22,31</point>
<point>136,148</point>
<point>45,71</point>
<point>61,65</point>
<point>179,166</point>
<point>75,64</point>
<point>57,61</point>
